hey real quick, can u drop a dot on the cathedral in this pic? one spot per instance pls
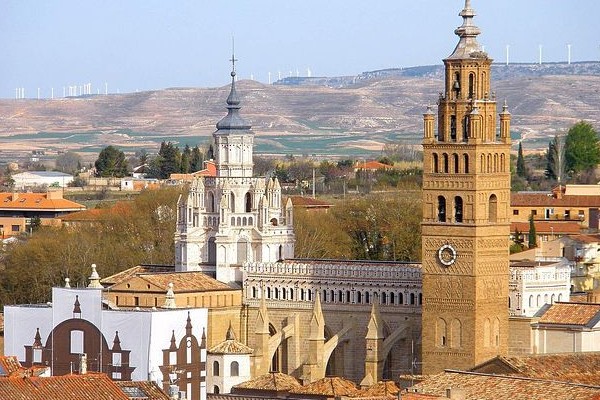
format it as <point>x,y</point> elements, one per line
<point>449,312</point>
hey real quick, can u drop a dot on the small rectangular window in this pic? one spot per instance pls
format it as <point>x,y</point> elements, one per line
<point>515,212</point>
<point>567,214</point>
<point>16,228</point>
<point>136,301</point>
<point>533,212</point>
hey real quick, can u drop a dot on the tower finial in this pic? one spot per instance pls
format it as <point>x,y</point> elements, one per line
<point>467,46</point>
<point>233,59</point>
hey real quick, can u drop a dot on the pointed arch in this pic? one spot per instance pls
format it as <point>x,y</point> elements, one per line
<point>446,163</point>
<point>466,163</point>
<point>436,166</point>
<point>471,85</point>
<point>211,202</point>
<point>456,163</point>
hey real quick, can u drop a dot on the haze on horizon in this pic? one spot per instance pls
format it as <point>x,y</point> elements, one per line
<point>153,44</point>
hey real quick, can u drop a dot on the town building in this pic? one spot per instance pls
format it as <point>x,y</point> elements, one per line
<point>534,283</point>
<point>18,211</point>
<point>80,331</point>
<point>38,179</point>
<point>566,328</point>
<point>575,203</point>
<point>466,214</point>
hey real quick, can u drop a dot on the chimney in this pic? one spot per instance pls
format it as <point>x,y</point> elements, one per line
<point>83,364</point>
<point>455,394</point>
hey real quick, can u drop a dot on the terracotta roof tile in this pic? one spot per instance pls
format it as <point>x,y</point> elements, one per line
<point>548,227</point>
<point>131,272</point>
<point>384,390</point>
<point>576,368</point>
<point>570,313</point>
<point>498,387</point>
<point>333,386</point>
<point>274,381</point>
<point>231,347</point>
<point>523,199</point>
<point>185,281</point>
<point>67,387</point>
<point>37,201</point>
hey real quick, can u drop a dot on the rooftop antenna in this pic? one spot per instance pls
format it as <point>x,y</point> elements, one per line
<point>507,53</point>
<point>540,60</point>
<point>569,54</point>
<point>233,59</point>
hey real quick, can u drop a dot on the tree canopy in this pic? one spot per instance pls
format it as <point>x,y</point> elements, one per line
<point>581,148</point>
<point>111,162</point>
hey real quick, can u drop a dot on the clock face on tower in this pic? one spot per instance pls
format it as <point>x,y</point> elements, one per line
<point>447,255</point>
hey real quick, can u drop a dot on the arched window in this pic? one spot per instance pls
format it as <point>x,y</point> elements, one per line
<point>482,164</point>
<point>280,251</point>
<point>235,368</point>
<point>212,250</point>
<point>560,297</point>
<point>446,166</point>
<point>471,85</point>
<point>493,209</point>
<point>539,300</point>
<point>453,128</point>
<point>367,297</point>
<point>248,202</point>
<point>412,299</point>
<point>436,167</point>
<point>531,301</point>
<point>216,389</point>
<point>546,298</point>
<point>358,297</point>
<point>455,334</point>
<point>496,162</point>
<point>400,298</point>
<point>231,202</point>
<point>466,128</point>
<point>458,209</point>
<point>496,332</point>
<point>441,209</point>
<point>552,299</point>
<point>383,298</point>
<point>466,163</point>
<point>456,164</point>
<point>441,333</point>
<point>211,202</point>
<point>502,160</point>
<point>348,300</point>
<point>216,371</point>
<point>392,298</point>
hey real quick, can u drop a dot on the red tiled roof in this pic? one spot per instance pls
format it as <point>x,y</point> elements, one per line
<point>586,238</point>
<point>501,387</point>
<point>67,387</point>
<point>273,381</point>
<point>131,272</point>
<point>372,165</point>
<point>523,199</point>
<point>334,386</point>
<point>96,214</point>
<point>581,367</point>
<point>548,227</point>
<point>570,313</point>
<point>37,201</point>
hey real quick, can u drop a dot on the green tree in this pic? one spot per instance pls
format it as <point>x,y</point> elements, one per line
<point>197,159</point>
<point>167,162</point>
<point>521,170</point>
<point>111,163</point>
<point>532,242</point>
<point>186,159</point>
<point>581,148</point>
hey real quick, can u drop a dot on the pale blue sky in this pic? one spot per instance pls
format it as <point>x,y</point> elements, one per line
<point>153,44</point>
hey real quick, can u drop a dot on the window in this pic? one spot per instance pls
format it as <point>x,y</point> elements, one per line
<point>441,333</point>
<point>441,209</point>
<point>231,202</point>
<point>466,129</point>
<point>436,168</point>
<point>453,128</point>
<point>216,371</point>
<point>458,209</point>
<point>445,156</point>
<point>567,214</point>
<point>216,390</point>
<point>76,342</point>
<point>248,202</point>
<point>515,212</point>
<point>471,85</point>
<point>456,165</point>
<point>15,228</point>
<point>412,299</point>
<point>493,209</point>
<point>235,368</point>
<point>466,161</point>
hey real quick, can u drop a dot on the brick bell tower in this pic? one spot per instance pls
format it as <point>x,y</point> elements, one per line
<point>466,204</point>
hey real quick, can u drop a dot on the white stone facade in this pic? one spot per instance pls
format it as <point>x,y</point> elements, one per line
<point>535,283</point>
<point>232,218</point>
<point>337,282</point>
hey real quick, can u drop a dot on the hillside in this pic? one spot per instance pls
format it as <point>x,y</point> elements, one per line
<point>297,116</point>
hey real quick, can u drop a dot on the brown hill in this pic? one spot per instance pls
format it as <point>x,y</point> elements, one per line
<point>372,112</point>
